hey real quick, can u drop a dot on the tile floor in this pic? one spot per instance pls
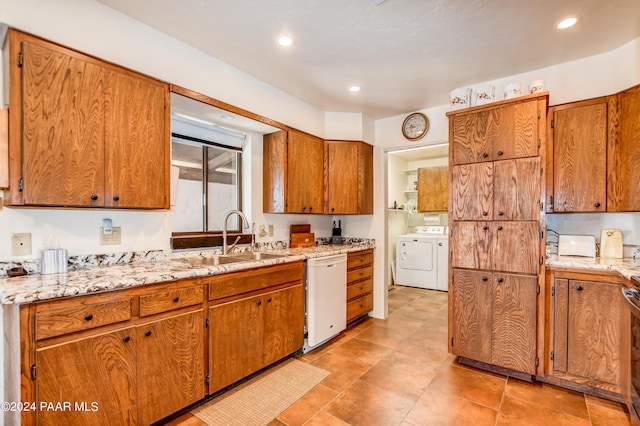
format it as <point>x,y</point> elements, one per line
<point>398,372</point>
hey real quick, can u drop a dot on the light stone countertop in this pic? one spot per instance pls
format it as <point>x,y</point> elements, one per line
<point>625,267</point>
<point>30,288</point>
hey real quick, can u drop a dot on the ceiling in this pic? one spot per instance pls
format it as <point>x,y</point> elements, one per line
<point>406,55</point>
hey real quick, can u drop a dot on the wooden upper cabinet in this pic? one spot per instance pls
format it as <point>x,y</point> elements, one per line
<point>472,192</point>
<point>433,189</point>
<point>84,133</point>
<point>62,127</point>
<point>624,172</point>
<point>473,245</point>
<point>496,132</point>
<point>580,156</point>
<point>516,189</point>
<point>349,177</point>
<point>136,146</point>
<point>293,173</point>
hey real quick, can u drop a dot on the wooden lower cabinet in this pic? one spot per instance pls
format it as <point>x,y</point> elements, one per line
<point>359,284</point>
<point>98,371</point>
<point>586,332</point>
<point>495,318</point>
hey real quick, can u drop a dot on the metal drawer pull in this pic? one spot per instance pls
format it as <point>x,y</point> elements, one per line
<point>147,333</point>
<point>176,299</point>
<point>88,317</point>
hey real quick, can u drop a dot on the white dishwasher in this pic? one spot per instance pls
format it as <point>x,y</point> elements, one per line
<point>325,299</point>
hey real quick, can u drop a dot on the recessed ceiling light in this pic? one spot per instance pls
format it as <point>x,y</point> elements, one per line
<point>567,22</point>
<point>354,88</point>
<point>285,41</point>
<point>226,117</point>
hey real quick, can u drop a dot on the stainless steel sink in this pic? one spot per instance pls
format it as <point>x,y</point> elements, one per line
<point>213,260</point>
<point>258,255</point>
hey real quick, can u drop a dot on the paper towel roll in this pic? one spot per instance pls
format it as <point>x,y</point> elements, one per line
<point>432,219</point>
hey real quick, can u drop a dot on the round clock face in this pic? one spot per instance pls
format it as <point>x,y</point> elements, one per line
<point>415,126</point>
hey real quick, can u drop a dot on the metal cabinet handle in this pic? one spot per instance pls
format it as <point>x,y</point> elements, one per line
<point>597,204</point>
<point>485,213</point>
<point>88,317</point>
<point>176,299</point>
<point>147,333</point>
<point>484,278</point>
<point>499,227</point>
<point>94,197</point>
<point>578,288</point>
<point>116,198</point>
<point>485,227</point>
<point>485,155</point>
<point>259,302</point>
<point>269,300</point>
<point>500,280</point>
<point>500,213</point>
<point>126,339</point>
<point>499,152</point>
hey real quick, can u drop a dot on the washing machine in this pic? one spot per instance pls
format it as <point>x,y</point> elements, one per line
<point>422,258</point>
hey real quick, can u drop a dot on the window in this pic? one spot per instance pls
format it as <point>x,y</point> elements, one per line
<point>208,185</point>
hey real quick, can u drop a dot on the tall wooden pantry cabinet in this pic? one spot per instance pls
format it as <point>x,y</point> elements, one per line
<point>497,240</point>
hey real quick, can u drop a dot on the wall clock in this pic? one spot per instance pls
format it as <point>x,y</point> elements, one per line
<point>415,126</point>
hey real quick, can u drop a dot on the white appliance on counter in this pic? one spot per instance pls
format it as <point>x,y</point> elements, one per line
<point>325,299</point>
<point>611,243</point>
<point>577,245</point>
<point>422,258</point>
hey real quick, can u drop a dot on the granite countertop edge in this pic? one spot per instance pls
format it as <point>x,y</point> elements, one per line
<point>626,267</point>
<point>36,287</point>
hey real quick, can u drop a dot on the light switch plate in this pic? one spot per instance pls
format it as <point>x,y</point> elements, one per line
<point>112,239</point>
<point>21,244</point>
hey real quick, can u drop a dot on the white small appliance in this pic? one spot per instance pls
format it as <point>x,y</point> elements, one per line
<point>422,258</point>
<point>577,245</point>
<point>611,243</point>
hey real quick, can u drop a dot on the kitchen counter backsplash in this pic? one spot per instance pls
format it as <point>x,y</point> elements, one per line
<point>32,266</point>
<point>626,267</point>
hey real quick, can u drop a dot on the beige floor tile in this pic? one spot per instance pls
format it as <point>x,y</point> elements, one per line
<point>435,408</point>
<point>344,370</point>
<point>549,396</point>
<point>483,389</point>
<point>368,405</point>
<point>325,419</point>
<point>364,352</point>
<point>383,336</point>
<point>602,416</point>
<point>516,412</point>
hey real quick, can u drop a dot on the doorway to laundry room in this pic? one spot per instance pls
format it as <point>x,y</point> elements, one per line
<point>417,218</point>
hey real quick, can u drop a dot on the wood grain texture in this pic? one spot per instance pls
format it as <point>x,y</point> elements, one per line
<point>235,283</point>
<point>283,323</point>
<point>580,158</point>
<point>4,148</point>
<point>99,369</point>
<point>27,358</point>
<point>513,336</point>
<point>84,317</point>
<point>305,173</point>
<point>359,284</point>
<point>433,189</point>
<point>359,307</point>
<point>516,190</point>
<point>472,192</point>
<point>136,142</point>
<point>515,247</point>
<point>471,138</point>
<point>593,331</point>
<point>342,177</point>
<point>170,365</point>
<point>560,324</point>
<point>514,130</point>
<point>359,274</point>
<point>359,259</point>
<point>472,245</point>
<point>472,314</point>
<point>360,288</point>
<point>365,178</point>
<point>274,172</point>
<point>628,155</point>
<point>63,122</point>
<point>235,341</point>
<point>167,300</point>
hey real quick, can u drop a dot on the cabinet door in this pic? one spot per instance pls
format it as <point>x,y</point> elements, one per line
<point>516,247</point>
<point>342,174</point>
<point>136,142</point>
<point>472,138</point>
<point>472,245</point>
<point>593,331</point>
<point>283,323</point>
<point>274,172</point>
<point>63,123</point>
<point>516,189</point>
<point>170,355</point>
<point>472,314</point>
<point>515,131</point>
<point>628,156</point>
<point>433,189</point>
<point>472,192</point>
<point>580,158</point>
<point>100,370</point>
<point>513,324</point>
<point>305,168</point>
<point>236,339</point>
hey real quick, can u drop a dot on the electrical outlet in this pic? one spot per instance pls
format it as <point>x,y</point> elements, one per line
<point>270,233</point>
<point>636,252</point>
<point>21,244</point>
<point>112,239</point>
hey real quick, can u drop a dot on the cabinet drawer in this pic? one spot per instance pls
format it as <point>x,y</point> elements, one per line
<point>254,279</point>
<point>359,274</point>
<point>57,323</point>
<point>359,307</point>
<point>357,260</point>
<point>170,299</point>
<point>359,288</point>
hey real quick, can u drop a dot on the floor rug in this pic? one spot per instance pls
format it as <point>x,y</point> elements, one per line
<point>263,398</point>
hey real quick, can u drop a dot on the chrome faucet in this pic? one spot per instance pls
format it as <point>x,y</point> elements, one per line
<point>245,222</point>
